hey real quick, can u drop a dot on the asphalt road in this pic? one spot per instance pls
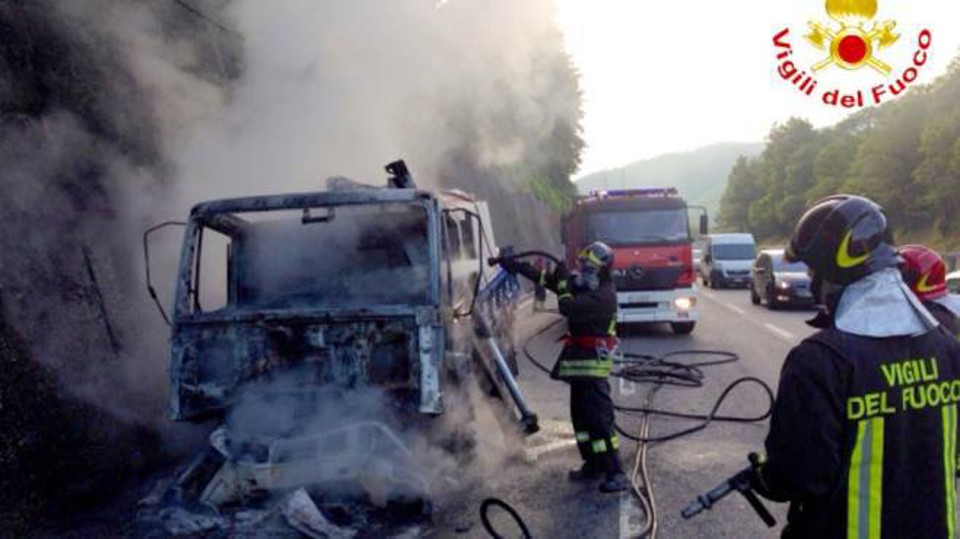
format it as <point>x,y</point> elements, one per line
<point>679,470</point>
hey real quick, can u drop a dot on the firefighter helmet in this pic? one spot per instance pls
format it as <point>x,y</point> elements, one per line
<point>843,238</point>
<point>924,271</point>
<point>597,254</point>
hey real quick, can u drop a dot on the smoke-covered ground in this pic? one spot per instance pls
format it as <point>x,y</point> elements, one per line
<point>116,114</point>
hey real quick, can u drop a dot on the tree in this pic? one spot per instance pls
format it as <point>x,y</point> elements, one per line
<point>742,190</point>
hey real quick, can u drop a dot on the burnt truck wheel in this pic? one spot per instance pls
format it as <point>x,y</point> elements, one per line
<point>682,328</point>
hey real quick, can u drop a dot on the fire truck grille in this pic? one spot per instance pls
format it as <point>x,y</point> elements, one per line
<point>649,279</point>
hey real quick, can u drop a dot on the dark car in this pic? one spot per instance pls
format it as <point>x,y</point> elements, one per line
<point>777,282</point>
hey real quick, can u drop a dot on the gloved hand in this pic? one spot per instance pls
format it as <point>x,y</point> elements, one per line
<point>754,475</point>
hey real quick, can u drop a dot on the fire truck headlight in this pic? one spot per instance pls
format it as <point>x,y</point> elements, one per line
<point>684,304</point>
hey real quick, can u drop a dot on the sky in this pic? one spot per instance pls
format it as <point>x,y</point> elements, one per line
<point>669,76</point>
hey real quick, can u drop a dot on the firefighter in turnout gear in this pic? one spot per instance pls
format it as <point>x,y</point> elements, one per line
<point>926,274</point>
<point>863,436</point>
<point>588,299</point>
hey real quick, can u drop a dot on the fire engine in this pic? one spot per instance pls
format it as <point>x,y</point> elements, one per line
<point>649,229</point>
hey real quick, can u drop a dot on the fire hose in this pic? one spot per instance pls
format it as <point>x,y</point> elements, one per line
<point>664,371</point>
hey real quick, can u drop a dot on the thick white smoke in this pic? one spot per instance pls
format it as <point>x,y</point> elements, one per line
<point>342,88</point>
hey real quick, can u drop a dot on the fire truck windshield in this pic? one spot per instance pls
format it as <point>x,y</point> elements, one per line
<point>639,227</point>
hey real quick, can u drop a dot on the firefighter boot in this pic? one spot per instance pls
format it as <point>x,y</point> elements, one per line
<point>590,471</point>
<point>615,482</point>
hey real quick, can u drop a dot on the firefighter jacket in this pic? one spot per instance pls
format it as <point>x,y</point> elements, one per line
<point>591,320</point>
<point>863,436</point>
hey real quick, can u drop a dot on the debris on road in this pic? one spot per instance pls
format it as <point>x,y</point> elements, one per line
<point>302,514</point>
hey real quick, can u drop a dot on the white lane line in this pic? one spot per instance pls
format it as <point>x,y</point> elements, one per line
<point>734,308</point>
<point>540,450</point>
<point>780,332</point>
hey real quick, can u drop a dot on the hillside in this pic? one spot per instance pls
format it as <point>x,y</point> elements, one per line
<point>904,154</point>
<point>700,175</point>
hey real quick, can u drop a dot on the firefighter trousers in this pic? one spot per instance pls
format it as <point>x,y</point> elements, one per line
<point>591,409</point>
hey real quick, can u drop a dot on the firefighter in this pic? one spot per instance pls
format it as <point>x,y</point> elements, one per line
<point>925,272</point>
<point>539,290</point>
<point>588,299</point>
<point>863,435</point>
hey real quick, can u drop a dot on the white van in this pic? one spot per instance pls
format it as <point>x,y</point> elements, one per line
<point>727,259</point>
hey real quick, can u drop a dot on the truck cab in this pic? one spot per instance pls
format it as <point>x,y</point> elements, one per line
<point>649,231</point>
<point>356,286</point>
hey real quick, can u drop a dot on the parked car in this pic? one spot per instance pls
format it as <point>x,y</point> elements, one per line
<point>727,259</point>
<point>953,282</point>
<point>776,282</point>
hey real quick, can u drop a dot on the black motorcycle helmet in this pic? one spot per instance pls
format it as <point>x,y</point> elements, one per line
<point>842,239</point>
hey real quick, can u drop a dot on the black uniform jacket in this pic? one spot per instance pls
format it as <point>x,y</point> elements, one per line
<point>863,436</point>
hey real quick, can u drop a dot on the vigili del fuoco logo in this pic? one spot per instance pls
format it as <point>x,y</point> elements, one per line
<point>854,39</point>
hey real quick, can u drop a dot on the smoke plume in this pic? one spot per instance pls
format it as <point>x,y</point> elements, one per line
<point>116,114</point>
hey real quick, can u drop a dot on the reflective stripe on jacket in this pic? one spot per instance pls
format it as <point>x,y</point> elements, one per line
<point>863,436</point>
<point>591,315</point>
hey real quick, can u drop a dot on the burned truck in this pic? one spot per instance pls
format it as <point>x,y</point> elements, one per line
<point>355,287</point>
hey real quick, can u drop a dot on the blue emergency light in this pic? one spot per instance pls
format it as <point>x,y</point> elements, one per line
<point>648,192</point>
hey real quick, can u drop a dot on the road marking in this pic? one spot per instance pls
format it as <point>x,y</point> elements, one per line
<point>786,335</point>
<point>540,450</point>
<point>631,516</point>
<point>734,308</point>
<point>627,387</point>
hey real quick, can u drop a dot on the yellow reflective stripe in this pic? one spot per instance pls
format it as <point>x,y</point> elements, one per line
<point>583,436</point>
<point>950,466</point>
<point>853,484</point>
<point>844,258</point>
<point>615,441</point>
<point>588,254</point>
<point>581,371</point>
<point>562,285</point>
<point>585,363</point>
<point>565,295</point>
<point>599,368</point>
<point>599,446</point>
<point>612,328</point>
<point>865,482</point>
<point>876,478</point>
<point>543,278</point>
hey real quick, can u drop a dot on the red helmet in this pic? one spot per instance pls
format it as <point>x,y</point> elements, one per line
<point>924,271</point>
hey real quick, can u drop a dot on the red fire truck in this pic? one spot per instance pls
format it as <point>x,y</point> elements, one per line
<point>649,229</point>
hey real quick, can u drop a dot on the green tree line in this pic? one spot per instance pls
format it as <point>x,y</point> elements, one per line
<point>905,155</point>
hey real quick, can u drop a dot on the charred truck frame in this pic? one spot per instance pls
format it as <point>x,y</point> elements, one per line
<point>649,231</point>
<point>357,286</point>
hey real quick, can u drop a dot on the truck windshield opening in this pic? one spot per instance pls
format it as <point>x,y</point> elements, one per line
<point>369,255</point>
<point>639,227</point>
